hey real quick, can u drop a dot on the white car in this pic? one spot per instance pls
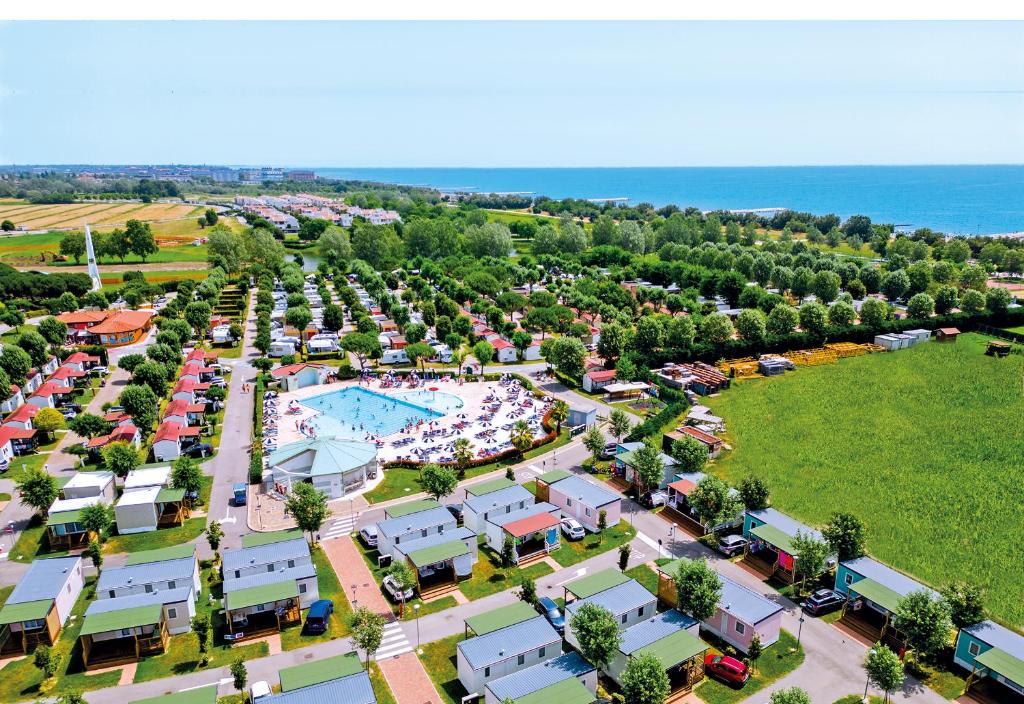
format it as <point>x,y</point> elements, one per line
<point>369,535</point>
<point>394,592</point>
<point>573,529</point>
<point>259,690</point>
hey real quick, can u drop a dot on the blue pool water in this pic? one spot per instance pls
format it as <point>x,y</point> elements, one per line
<point>434,400</point>
<point>344,411</point>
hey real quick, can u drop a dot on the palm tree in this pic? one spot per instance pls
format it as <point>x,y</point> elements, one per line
<point>560,413</point>
<point>463,450</point>
<point>459,356</point>
<point>521,436</point>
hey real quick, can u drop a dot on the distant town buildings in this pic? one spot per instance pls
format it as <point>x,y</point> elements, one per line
<point>283,210</point>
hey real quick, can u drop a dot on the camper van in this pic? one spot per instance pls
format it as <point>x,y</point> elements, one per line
<point>394,357</point>
<point>282,346</point>
<point>442,353</point>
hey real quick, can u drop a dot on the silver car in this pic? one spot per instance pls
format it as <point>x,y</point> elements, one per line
<point>572,529</point>
<point>369,536</point>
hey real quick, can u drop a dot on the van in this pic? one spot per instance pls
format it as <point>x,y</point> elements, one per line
<point>318,618</point>
<point>241,492</point>
<point>394,357</point>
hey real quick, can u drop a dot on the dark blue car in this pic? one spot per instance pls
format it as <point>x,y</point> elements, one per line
<point>319,616</point>
<point>552,613</point>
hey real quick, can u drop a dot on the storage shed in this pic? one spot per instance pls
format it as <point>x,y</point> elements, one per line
<point>889,342</point>
<point>581,415</point>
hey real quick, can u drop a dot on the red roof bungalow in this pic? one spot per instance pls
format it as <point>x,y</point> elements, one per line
<point>15,399</point>
<point>504,351</point>
<point>598,379</point>
<point>20,440</point>
<point>117,417</point>
<point>197,372</point>
<point>533,536</point>
<point>186,390</point>
<point>66,373</point>
<point>709,441</point>
<point>83,319</point>
<point>22,416</point>
<point>81,361</point>
<point>47,395</point>
<point>185,413</point>
<point>123,433</point>
<point>200,355</point>
<point>171,438</point>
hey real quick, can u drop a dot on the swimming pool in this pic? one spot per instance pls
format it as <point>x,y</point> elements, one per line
<point>353,412</point>
<point>437,401</point>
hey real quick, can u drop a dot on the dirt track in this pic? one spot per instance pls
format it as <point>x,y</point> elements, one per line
<point>82,269</point>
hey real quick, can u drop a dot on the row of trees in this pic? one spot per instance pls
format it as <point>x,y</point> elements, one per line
<point>136,238</point>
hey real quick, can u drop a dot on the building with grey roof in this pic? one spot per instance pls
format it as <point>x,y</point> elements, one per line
<point>148,577</point>
<point>265,558</point>
<point>412,527</point>
<point>629,603</point>
<point>478,509</point>
<point>352,689</point>
<point>504,651</point>
<point>671,637</point>
<point>179,606</point>
<point>583,500</point>
<point>522,683</point>
<point>40,604</point>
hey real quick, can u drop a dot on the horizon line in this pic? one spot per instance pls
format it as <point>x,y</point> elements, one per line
<point>12,165</point>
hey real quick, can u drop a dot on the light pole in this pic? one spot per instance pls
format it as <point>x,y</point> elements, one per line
<point>799,630</point>
<point>416,617</point>
<point>868,681</point>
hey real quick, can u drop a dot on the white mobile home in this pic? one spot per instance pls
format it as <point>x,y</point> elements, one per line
<point>412,526</point>
<point>88,484</point>
<point>629,602</point>
<point>394,357</point>
<point>40,604</point>
<point>566,678</point>
<point>168,577</point>
<point>506,650</point>
<point>478,508</point>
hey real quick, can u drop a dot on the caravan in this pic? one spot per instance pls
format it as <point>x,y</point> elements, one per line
<point>394,357</point>
<point>282,346</point>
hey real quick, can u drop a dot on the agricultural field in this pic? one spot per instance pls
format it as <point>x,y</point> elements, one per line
<point>924,445</point>
<point>95,213</point>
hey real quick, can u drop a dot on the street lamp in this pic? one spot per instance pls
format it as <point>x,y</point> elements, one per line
<point>799,630</point>
<point>868,681</point>
<point>416,615</point>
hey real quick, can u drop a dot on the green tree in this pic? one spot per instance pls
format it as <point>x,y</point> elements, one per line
<point>713,503</point>
<point>528,591</point>
<point>438,481</point>
<point>186,474</point>
<point>37,489</point>
<point>97,520</point>
<point>197,314</point>
<point>120,458</point>
<point>619,423</point>
<point>998,300</point>
<point>751,325</point>
<point>946,299</point>
<point>44,659</point>
<point>508,551</point>
<point>559,413</point>
<point>36,346</point>
<point>593,440</point>
<point>846,536</point>
<point>404,579</point>
<point>153,375</point>
<point>140,239</point>
<point>521,437</point>
<point>644,681</point>
<point>202,627</point>
<point>16,362</point>
<point>971,301</point>
<point>211,217</point>
<point>790,695</point>
<point>698,589</point>
<point>754,651</point>
<point>308,506</point>
<point>72,245</point>
<point>94,551</point>
<point>782,320</point>
<point>841,314</point>
<point>924,620</point>
<point>8,226</point>
<point>825,286</point>
<point>895,284</point>
<point>648,467</point>
<point>884,669</point>
<point>214,533</point>
<point>716,328</point>
<point>48,421</point>
<point>625,550</point>
<point>140,403</point>
<point>690,454</point>
<point>814,319</point>
<point>566,354</point>
<point>597,632</point>
<point>920,305</point>
<point>53,331</point>
<point>874,312</point>
<point>811,554</point>
<point>367,630</point>
<point>363,345</point>
<point>463,452</point>
<point>484,353</point>
<point>966,603</point>
<point>754,493</point>
<point>239,674</point>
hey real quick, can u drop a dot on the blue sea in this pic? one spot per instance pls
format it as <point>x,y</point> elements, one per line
<point>953,199</point>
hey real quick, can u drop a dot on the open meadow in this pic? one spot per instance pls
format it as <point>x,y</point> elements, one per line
<point>95,213</point>
<point>925,445</point>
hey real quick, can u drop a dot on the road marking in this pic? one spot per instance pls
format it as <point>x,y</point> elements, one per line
<point>533,468</point>
<point>397,643</point>
<point>342,526</point>
<point>579,573</point>
<point>223,680</point>
<point>650,541</point>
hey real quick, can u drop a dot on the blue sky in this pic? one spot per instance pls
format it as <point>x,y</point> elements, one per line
<point>512,94</point>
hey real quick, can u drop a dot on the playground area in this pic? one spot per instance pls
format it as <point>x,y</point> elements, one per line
<point>418,424</point>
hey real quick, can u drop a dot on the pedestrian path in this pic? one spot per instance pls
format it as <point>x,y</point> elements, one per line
<point>393,643</point>
<point>342,526</point>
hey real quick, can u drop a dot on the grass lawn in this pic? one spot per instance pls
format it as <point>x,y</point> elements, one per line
<point>945,682</point>
<point>921,444</point>
<point>646,576</point>
<point>439,661</point>
<point>182,654</point>
<point>776,661</point>
<point>330,588</point>
<point>163,538</point>
<point>594,544</point>
<point>1019,329</point>
<point>405,481</point>
<point>380,686</point>
<point>32,542</point>
<point>490,578</point>
<point>857,699</point>
<point>22,680</point>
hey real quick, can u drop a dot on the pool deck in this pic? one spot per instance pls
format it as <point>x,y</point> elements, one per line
<point>471,394</point>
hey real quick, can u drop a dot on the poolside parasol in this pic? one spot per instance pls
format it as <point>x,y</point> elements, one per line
<point>433,389</point>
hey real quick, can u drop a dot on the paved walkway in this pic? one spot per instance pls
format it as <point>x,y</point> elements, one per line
<point>408,680</point>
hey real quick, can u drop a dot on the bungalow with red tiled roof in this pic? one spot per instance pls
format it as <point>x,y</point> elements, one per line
<point>22,416</point>
<point>68,375</point>
<point>598,379</point>
<point>15,399</point>
<point>301,375</point>
<point>185,413</point>
<point>200,355</point>
<point>504,351</point>
<point>171,439</point>
<point>33,380</point>
<point>188,390</point>
<point>49,394</point>
<point>83,319</point>
<point>197,372</point>
<point>709,441</point>
<point>117,418</point>
<point>122,327</point>
<point>16,441</point>
<point>81,361</point>
<point>122,433</point>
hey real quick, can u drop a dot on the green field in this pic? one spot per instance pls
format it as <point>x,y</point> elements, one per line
<point>925,445</point>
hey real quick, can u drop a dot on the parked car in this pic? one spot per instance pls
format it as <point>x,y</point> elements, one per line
<point>76,407</point>
<point>391,587</point>
<point>572,529</point>
<point>731,545</point>
<point>318,618</point>
<point>608,452</point>
<point>218,381</point>
<point>823,601</point>
<point>552,613</point>
<point>653,498</point>
<point>200,449</point>
<point>727,669</point>
<point>99,370</point>
<point>240,491</point>
<point>456,511</point>
<point>259,690</point>
<point>369,536</point>
<point>68,413</point>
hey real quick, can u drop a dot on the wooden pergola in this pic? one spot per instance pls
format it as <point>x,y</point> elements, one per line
<point>102,648</point>
<point>16,635</point>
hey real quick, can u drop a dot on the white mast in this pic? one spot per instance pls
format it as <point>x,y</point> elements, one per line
<point>90,255</point>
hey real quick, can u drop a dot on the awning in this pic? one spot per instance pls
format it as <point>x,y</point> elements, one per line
<point>591,585</point>
<point>167,496</point>
<point>438,553</point>
<point>200,695</point>
<point>531,525</point>
<point>775,537</point>
<point>25,611</point>
<point>1005,664</point>
<point>568,691</point>
<point>318,671</point>
<point>64,517</point>
<point>125,618</point>
<point>682,486</point>
<point>877,593</point>
<point>500,618</point>
<point>262,594</point>
<point>675,648</point>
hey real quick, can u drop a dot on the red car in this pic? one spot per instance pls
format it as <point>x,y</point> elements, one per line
<point>726,669</point>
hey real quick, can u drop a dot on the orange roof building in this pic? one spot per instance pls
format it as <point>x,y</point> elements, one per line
<point>122,327</point>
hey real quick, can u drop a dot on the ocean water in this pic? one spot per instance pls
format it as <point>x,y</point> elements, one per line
<point>952,199</point>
